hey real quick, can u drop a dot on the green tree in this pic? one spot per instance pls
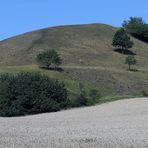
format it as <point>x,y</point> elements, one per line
<point>132,25</point>
<point>130,60</point>
<point>49,58</point>
<point>133,21</point>
<point>137,28</point>
<point>122,40</point>
<point>30,93</point>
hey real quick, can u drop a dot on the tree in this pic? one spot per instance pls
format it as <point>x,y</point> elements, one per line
<point>133,21</point>
<point>49,58</point>
<point>30,93</point>
<point>130,60</point>
<point>137,28</point>
<point>122,40</point>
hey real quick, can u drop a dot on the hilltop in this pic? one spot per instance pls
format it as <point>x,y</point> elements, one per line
<point>73,42</point>
<point>87,54</point>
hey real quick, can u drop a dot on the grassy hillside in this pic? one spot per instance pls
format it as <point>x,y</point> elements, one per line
<point>87,54</point>
<point>75,43</point>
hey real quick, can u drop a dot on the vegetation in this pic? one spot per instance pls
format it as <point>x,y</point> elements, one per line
<point>145,92</point>
<point>122,40</point>
<point>137,28</point>
<point>49,58</point>
<point>95,95</point>
<point>81,100</point>
<point>30,93</point>
<point>130,60</point>
<point>87,98</point>
<point>102,68</point>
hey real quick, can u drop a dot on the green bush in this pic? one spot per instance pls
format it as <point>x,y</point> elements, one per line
<point>86,98</point>
<point>81,100</point>
<point>94,96</point>
<point>145,93</point>
<point>30,93</point>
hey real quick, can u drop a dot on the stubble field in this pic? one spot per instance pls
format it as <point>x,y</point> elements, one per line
<point>119,124</point>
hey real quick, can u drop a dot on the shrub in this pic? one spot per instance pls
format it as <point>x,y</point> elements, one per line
<point>81,99</point>
<point>145,93</point>
<point>94,96</point>
<point>87,98</point>
<point>30,93</point>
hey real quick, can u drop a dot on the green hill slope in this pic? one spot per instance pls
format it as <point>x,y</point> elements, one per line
<point>87,54</point>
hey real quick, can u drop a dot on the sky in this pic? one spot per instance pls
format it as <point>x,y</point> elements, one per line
<point>20,16</point>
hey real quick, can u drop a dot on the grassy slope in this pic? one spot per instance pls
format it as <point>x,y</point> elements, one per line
<point>87,57</point>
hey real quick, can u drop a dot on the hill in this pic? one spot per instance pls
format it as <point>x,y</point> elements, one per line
<point>75,43</point>
<point>88,57</point>
<point>112,125</point>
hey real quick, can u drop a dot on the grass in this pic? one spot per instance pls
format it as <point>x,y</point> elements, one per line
<point>88,57</point>
<point>69,82</point>
<point>72,81</point>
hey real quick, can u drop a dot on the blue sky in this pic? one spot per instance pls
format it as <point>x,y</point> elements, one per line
<point>19,16</point>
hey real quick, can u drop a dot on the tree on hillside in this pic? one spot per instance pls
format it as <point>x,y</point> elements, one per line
<point>132,25</point>
<point>133,21</point>
<point>49,58</point>
<point>130,60</point>
<point>137,28</point>
<point>122,40</point>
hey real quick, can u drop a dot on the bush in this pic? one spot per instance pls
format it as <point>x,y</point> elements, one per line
<point>30,93</point>
<point>86,98</point>
<point>81,99</point>
<point>145,93</point>
<point>94,96</point>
